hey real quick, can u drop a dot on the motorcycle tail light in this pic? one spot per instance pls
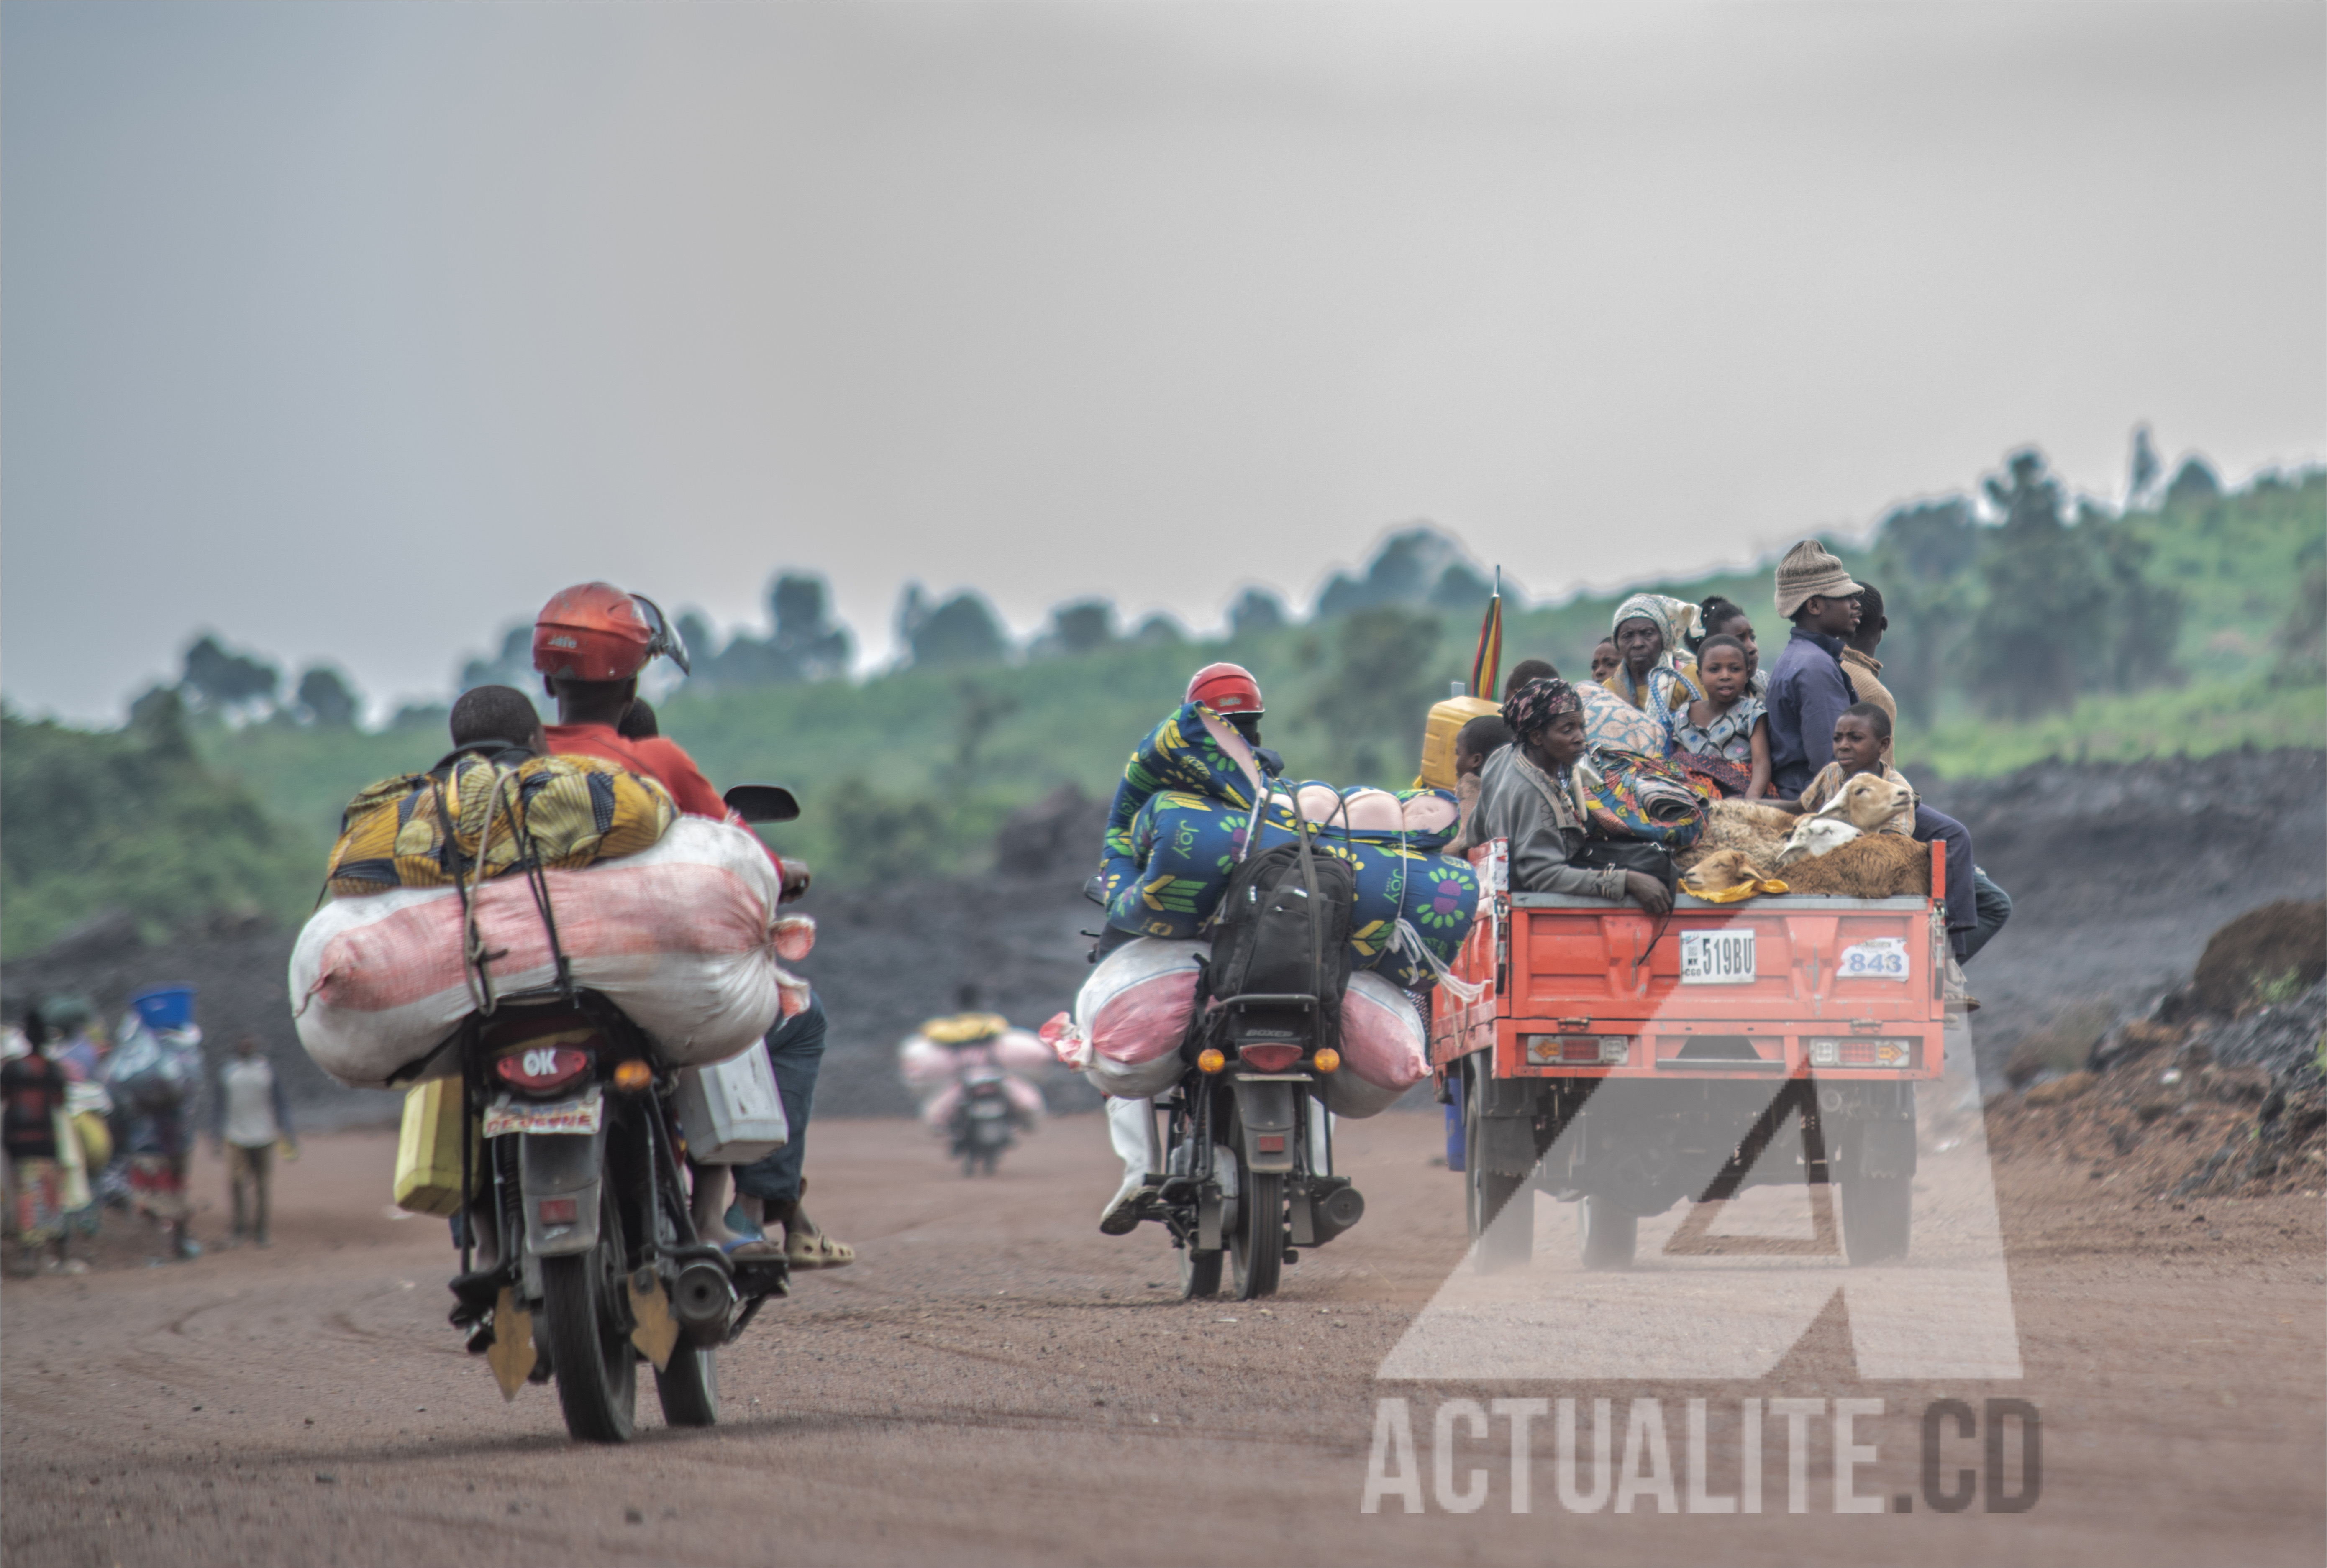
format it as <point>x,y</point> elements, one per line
<point>558,1210</point>
<point>1269,1058</point>
<point>539,1068</point>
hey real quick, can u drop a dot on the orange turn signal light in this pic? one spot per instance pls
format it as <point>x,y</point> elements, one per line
<point>633,1075</point>
<point>1210,1061</point>
<point>1328,1060</point>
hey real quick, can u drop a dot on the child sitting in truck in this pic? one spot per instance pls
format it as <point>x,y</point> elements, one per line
<point>1862,734</point>
<point>1728,729</point>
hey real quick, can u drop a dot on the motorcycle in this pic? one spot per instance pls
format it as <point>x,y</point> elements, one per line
<point>1248,1163</point>
<point>985,1122</point>
<point>1248,1147</point>
<point>571,1111</point>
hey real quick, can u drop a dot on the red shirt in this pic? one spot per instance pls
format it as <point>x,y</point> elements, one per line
<point>664,761</point>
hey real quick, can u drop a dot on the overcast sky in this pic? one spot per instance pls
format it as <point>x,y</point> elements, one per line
<point>352,332</point>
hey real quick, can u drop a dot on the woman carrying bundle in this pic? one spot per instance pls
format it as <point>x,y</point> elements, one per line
<point>1652,635</point>
<point>1527,798</point>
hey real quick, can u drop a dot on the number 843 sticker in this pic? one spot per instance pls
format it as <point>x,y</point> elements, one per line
<point>1876,958</point>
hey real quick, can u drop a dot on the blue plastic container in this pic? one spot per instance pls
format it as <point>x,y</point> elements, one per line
<point>165,1006</point>
<point>1456,1154</point>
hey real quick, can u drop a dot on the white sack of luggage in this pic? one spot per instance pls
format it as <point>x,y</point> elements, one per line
<point>1130,1018</point>
<point>684,936</point>
<point>1133,1011</point>
<point>1384,1051</point>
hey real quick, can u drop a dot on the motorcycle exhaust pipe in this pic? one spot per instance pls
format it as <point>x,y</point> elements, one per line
<point>704,1300</point>
<point>1336,1212</point>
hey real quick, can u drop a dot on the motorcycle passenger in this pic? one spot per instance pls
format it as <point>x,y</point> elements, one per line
<point>1230,692</point>
<point>589,643</point>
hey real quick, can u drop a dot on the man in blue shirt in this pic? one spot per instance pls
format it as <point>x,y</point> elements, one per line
<point>1809,691</point>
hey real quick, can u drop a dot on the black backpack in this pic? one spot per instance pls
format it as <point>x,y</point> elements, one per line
<point>1283,930</point>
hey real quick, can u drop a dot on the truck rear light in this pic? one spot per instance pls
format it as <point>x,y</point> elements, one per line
<point>1578,1050</point>
<point>1268,1058</point>
<point>1860,1052</point>
<point>557,1211</point>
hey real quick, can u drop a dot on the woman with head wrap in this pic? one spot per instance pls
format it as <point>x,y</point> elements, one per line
<point>1651,634</point>
<point>1526,798</point>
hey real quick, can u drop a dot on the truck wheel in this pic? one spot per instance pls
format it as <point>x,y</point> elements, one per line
<point>1878,1216</point>
<point>1610,1235</point>
<point>1486,1194</point>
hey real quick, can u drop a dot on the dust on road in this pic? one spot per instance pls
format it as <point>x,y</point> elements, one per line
<point>997,1381</point>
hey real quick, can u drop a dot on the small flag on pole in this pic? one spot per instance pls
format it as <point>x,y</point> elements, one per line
<point>1487,663</point>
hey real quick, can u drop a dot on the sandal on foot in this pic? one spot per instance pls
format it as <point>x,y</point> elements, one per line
<point>752,1249</point>
<point>814,1249</point>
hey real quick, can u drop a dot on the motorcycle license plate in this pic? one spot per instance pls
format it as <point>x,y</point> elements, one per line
<point>1716,958</point>
<point>1876,958</point>
<point>574,1116</point>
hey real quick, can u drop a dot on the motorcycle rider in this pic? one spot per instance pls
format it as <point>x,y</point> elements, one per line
<point>589,643</point>
<point>1230,692</point>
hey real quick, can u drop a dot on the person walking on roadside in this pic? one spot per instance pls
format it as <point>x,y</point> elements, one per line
<point>249,1118</point>
<point>31,1121</point>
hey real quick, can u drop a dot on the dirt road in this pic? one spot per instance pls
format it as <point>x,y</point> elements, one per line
<point>996,1381</point>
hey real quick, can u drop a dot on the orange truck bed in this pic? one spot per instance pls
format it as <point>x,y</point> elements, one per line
<point>1778,986</point>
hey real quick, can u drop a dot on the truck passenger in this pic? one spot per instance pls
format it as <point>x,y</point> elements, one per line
<point>1526,798</point>
<point>1809,691</point>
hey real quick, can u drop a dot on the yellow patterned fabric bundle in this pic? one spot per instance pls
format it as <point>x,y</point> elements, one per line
<point>418,830</point>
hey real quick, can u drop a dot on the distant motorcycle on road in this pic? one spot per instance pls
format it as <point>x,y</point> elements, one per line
<point>972,1071</point>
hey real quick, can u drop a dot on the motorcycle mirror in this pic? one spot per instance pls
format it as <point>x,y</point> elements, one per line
<point>762,803</point>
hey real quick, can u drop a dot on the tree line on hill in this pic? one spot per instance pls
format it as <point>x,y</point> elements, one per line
<point>2019,595</point>
<point>2005,603</point>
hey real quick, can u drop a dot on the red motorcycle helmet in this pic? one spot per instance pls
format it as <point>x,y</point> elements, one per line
<point>1225,689</point>
<point>595,631</point>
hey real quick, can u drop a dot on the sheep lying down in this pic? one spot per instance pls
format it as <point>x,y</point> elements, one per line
<point>1835,850</point>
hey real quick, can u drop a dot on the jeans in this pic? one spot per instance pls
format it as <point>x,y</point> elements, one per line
<point>1993,906</point>
<point>795,1051</point>
<point>1962,901</point>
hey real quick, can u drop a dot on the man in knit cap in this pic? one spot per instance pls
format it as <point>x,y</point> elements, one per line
<point>1807,689</point>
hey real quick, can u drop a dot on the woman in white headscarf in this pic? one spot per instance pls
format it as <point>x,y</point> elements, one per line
<point>1652,634</point>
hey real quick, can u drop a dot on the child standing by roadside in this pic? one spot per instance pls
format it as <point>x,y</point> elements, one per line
<point>1724,734</point>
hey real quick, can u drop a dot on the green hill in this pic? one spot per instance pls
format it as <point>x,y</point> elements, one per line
<point>2199,627</point>
<point>133,820</point>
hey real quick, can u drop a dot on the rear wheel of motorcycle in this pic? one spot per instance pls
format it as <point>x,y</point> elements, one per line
<point>688,1387</point>
<point>1200,1273</point>
<point>1256,1247</point>
<point>1878,1214</point>
<point>590,1347</point>
<point>1610,1235</point>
